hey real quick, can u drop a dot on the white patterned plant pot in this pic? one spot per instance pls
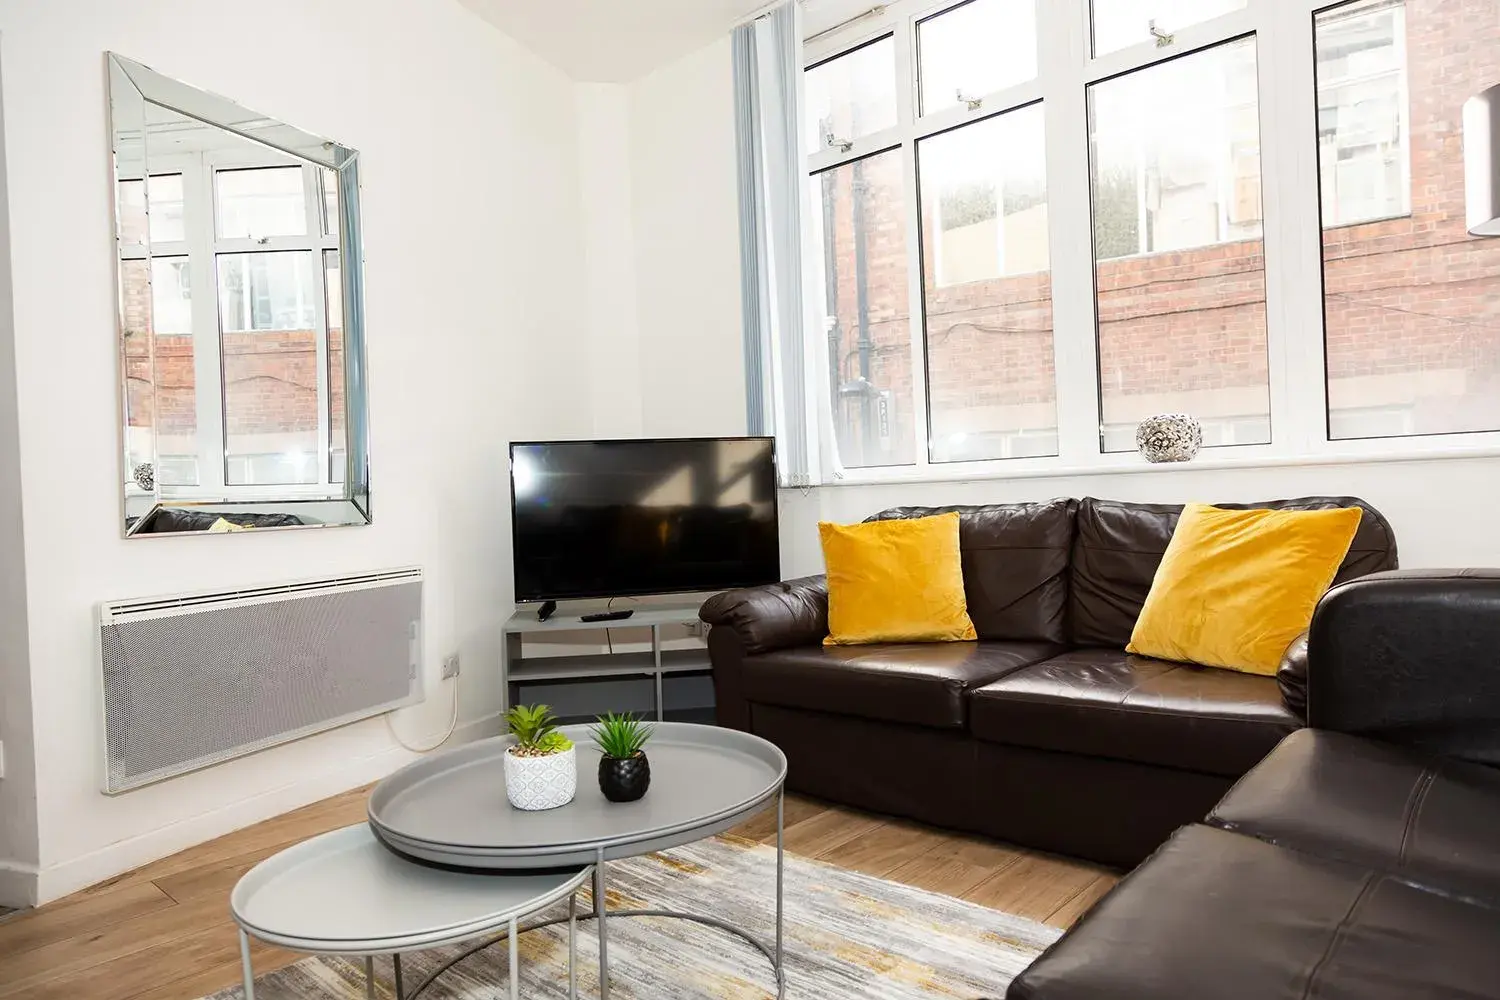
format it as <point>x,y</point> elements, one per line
<point>1170,437</point>
<point>534,783</point>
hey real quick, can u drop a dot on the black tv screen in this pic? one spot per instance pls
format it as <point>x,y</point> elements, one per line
<point>619,518</point>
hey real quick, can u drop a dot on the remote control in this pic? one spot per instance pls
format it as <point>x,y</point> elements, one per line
<point>607,616</point>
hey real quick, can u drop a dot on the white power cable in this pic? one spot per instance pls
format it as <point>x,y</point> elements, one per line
<point>452,725</point>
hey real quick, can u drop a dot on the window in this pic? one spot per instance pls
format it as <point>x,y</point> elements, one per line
<point>868,317</point>
<point>166,217</point>
<point>853,95</point>
<point>1180,278</point>
<point>972,51</point>
<point>1120,23</point>
<point>1411,324</point>
<point>1025,253</point>
<point>264,375</point>
<point>1365,169</point>
<point>255,204</point>
<point>337,437</point>
<point>987,276</point>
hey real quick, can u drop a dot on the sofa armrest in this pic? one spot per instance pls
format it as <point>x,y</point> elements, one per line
<point>776,616</point>
<point>758,620</point>
<point>1411,657</point>
<point>1291,676</point>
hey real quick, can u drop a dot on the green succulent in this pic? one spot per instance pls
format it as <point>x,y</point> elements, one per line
<point>621,736</point>
<point>535,730</point>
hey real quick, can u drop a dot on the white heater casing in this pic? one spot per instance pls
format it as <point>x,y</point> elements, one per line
<point>198,679</point>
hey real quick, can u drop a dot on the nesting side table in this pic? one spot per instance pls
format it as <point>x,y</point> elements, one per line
<point>343,893</point>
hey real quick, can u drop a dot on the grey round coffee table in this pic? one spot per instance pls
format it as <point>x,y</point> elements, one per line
<point>342,893</point>
<point>450,809</point>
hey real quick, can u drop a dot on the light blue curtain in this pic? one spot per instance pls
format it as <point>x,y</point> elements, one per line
<point>772,172</point>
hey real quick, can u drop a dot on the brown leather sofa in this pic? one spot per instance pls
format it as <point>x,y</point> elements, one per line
<point>1359,860</point>
<point>1044,732</point>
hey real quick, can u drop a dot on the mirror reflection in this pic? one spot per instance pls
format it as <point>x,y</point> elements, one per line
<point>234,299</point>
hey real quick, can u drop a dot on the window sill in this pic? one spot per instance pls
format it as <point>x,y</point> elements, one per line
<point>1129,463</point>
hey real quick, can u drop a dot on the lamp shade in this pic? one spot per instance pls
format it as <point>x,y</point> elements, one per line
<point>1482,161</point>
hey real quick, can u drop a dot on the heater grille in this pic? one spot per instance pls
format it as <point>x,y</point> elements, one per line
<point>196,680</point>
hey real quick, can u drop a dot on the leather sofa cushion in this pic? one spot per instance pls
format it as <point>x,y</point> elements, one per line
<point>1015,564</point>
<point>1106,703</point>
<point>168,519</point>
<point>1117,547</point>
<point>1216,914</point>
<point>1427,819</point>
<point>922,684</point>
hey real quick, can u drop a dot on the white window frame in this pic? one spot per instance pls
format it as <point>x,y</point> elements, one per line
<point>202,247</point>
<point>1290,180</point>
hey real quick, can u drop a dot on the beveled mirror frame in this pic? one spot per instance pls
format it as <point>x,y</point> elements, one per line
<point>133,86</point>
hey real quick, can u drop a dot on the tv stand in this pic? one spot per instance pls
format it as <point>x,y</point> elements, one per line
<point>516,667</point>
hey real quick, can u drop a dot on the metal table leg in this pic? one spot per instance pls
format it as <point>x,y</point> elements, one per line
<point>603,925</point>
<point>515,961</point>
<point>369,977</point>
<point>248,972</point>
<point>573,946</point>
<point>780,815</point>
<point>400,987</point>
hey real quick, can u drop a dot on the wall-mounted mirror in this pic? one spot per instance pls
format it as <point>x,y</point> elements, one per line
<point>243,401</point>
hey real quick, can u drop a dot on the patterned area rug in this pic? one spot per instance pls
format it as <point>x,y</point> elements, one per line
<point>847,936</point>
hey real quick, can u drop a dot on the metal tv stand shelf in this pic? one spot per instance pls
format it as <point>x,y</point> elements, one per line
<point>518,668</point>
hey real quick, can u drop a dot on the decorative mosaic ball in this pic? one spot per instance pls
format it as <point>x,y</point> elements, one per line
<point>144,476</point>
<point>1169,437</point>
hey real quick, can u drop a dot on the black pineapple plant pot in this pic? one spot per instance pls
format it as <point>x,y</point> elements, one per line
<point>624,770</point>
<point>624,780</point>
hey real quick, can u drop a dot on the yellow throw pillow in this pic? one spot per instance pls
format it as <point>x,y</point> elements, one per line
<point>1235,587</point>
<point>895,581</point>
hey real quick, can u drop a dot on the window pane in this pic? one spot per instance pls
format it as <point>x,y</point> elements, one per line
<point>852,95</point>
<point>262,202</point>
<point>167,223</point>
<point>990,378</point>
<point>974,50</point>
<point>1362,149</point>
<point>1177,235</point>
<point>171,296</point>
<point>1411,303</point>
<point>1119,23</point>
<point>337,443</point>
<point>166,216</point>
<point>869,322</point>
<point>161,396</point>
<point>268,333</point>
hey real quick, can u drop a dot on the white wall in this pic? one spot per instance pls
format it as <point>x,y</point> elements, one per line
<point>682,167</point>
<point>610,276</point>
<point>470,195</point>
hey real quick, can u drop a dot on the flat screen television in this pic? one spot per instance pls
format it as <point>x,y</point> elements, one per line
<point>630,517</point>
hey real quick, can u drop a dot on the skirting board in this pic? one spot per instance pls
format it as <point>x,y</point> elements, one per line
<point>80,873</point>
<point>17,885</point>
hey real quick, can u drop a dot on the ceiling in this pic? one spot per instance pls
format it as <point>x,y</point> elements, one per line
<point>613,41</point>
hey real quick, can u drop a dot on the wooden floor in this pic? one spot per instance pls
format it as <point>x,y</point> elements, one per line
<point>162,932</point>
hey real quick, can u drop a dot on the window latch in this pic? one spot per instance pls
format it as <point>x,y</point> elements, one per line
<point>842,145</point>
<point>1163,38</point>
<point>973,103</point>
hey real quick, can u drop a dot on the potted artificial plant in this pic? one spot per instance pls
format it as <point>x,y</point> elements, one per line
<point>541,770</point>
<point>624,771</point>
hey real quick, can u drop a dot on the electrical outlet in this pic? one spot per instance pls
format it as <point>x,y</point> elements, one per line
<point>450,667</point>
